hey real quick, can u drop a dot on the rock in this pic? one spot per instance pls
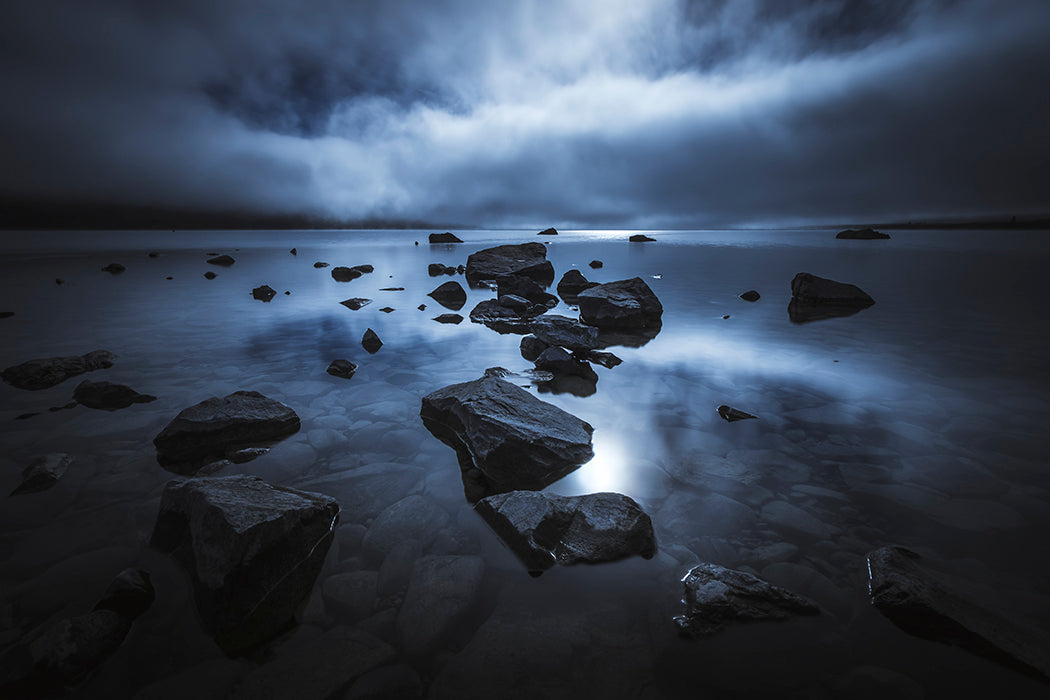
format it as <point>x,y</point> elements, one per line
<point>43,473</point>
<point>59,281</point>
<point>411,518</point>
<point>566,332</point>
<point>208,430</point>
<point>293,251</point>
<point>445,237</point>
<point>525,287</point>
<point>351,596</point>
<point>355,303</point>
<point>153,254</point>
<point>571,284</point>
<point>371,342</point>
<point>715,595</point>
<point>751,295</point>
<point>422,307</point>
<point>596,264</point>
<point>320,264</point>
<point>264,293</point>
<point>919,600</point>
<point>6,314</point>
<point>364,269</point>
<point>449,318</point>
<point>437,269</point>
<point>441,592</point>
<point>397,568</point>
<point>209,275</point>
<point>221,260</point>
<point>605,359</point>
<point>130,594</point>
<point>107,396</point>
<point>532,347</point>
<point>342,368</point>
<point>512,438</point>
<point>816,298</point>
<point>391,289</point>
<point>252,550</point>
<point>396,682</point>
<point>46,373</point>
<point>625,304</point>
<point>246,455</point>
<point>451,295</point>
<point>387,309</point>
<point>514,303</point>
<point>345,274</point>
<point>558,360</point>
<point>544,530</point>
<point>861,234</point>
<point>526,260</point>
<point>114,268</point>
<point>731,414</point>
<point>640,238</point>
<point>503,319</point>
<point>548,232</point>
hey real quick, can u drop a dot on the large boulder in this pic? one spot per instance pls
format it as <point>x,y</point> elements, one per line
<point>106,396</point>
<point>715,595</point>
<point>252,550</point>
<point>45,373</point>
<point>214,427</point>
<point>544,530</point>
<point>571,284</point>
<point>566,332</point>
<point>525,287</point>
<point>445,237</point>
<point>345,274</point>
<point>43,473</point>
<point>817,298</point>
<point>451,295</point>
<point>508,435</point>
<point>862,234</point>
<point>622,305</point>
<point>526,259</point>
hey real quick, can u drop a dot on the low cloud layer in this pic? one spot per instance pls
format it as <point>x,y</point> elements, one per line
<point>580,113</point>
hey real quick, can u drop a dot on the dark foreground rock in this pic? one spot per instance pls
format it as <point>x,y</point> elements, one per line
<point>252,550</point>
<point>319,264</point>
<point>445,237</point>
<point>342,368</point>
<point>526,260</point>
<point>356,303</point>
<point>114,268</point>
<point>215,426</point>
<point>505,319</point>
<point>862,234</point>
<point>441,592</point>
<point>548,232</point>
<point>449,318</point>
<point>532,347</point>
<point>544,530</point>
<point>221,261</point>
<point>511,438</point>
<point>571,284</point>
<point>209,275</point>
<point>621,305</point>
<point>451,295</point>
<point>559,361</point>
<point>751,295</point>
<point>566,332</point>
<point>6,314</point>
<point>640,238</point>
<point>922,602</point>
<point>264,293</point>
<point>525,287</point>
<point>371,342</point>
<point>345,274</point>
<point>732,414</point>
<point>817,298</point>
<point>43,473</point>
<point>45,373</point>
<point>715,595</point>
<point>106,396</point>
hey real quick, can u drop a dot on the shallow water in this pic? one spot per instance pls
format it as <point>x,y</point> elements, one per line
<point>921,421</point>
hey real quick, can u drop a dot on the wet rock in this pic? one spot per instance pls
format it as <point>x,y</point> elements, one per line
<point>437,269</point>
<point>411,518</point>
<point>130,594</point>
<point>503,319</point>
<point>451,295</point>
<point>445,237</point>
<point>422,307</point>
<point>751,295</point>
<point>320,264</point>
<point>355,303</point>
<point>512,438</point>
<point>441,591</point>
<point>153,254</point>
<point>114,268</point>
<point>221,260</point>
<point>264,293</point>
<point>566,332</point>
<point>45,373</point>
<point>921,601</point>
<point>861,234</point>
<point>571,284</point>
<point>371,342</point>
<point>625,304</point>
<point>525,287</point>
<point>532,347</point>
<point>397,568</point>
<point>396,682</point>
<point>253,551</point>
<point>387,309</point>
<point>560,362</point>
<point>544,530</point>
<point>514,303</point>
<point>213,427</point>
<point>345,274</point>
<point>816,298</point>
<point>449,318</point>
<point>246,455</point>
<point>605,359</point>
<point>43,473</point>
<point>364,269</point>
<point>596,264</point>
<point>107,396</point>
<point>293,251</point>
<point>715,595</point>
<point>351,596</point>
<point>640,238</point>
<point>548,232</point>
<point>732,414</point>
<point>342,368</point>
<point>566,384</point>
<point>526,260</point>
<point>209,275</point>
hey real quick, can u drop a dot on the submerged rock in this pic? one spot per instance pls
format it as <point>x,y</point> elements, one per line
<point>451,295</point>
<point>445,237</point>
<point>751,295</point>
<point>605,359</point>
<point>264,293</point>
<point>571,284</point>
<point>441,592</point>
<point>861,234</point>
<point>371,342</point>
<point>221,260</point>
<point>715,595</point>
<point>342,368</point>
<point>449,318</point>
<point>624,304</point>
<point>114,268</point>
<point>364,269</point>
<point>558,360</point>
<point>107,396</point>
<point>544,530</point>
<point>548,232</point>
<point>566,332</point>
<point>817,298</point>
<point>732,414</point>
<point>355,303</point>
<point>526,260</point>
<point>345,274</point>
<point>45,373</point>
<point>43,473</point>
<point>253,551</point>
<point>640,238</point>
<point>437,269</point>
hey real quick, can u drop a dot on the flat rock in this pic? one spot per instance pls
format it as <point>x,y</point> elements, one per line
<point>624,304</point>
<point>342,368</point>
<point>732,414</point>
<point>751,295</point>
<point>252,550</point>
<point>107,396</point>
<point>441,592</point>
<point>861,234</point>
<point>345,274</point>
<point>45,373</point>
<point>264,293</point>
<point>571,284</point>
<point>819,290</point>
<point>449,318</point>
<point>445,237</point>
<point>43,473</point>
<point>356,303</point>
<point>715,595</point>
<point>371,342</point>
<point>548,232</point>
<point>565,332</point>
<point>451,295</point>
<point>544,530</point>
<point>526,260</point>
<point>221,261</point>
<point>319,264</point>
<point>640,238</point>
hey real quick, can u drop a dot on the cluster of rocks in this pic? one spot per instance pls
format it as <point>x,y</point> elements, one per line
<point>346,274</point>
<point>437,269</point>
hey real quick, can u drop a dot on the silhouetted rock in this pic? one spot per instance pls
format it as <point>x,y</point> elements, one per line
<point>422,307</point>
<point>391,289</point>
<point>503,319</point>
<point>531,347</point>
<point>221,260</point>
<point>363,269</point>
<point>525,287</point>
<point>449,318</point>
<point>571,284</point>
<point>605,359</point>
<point>715,595</point>
<point>625,304</point>
<point>6,314</point>
<point>209,275</point>
<point>320,264</point>
<point>371,342</point>
<point>387,309</point>
<point>437,269</point>
<point>264,293</point>
<point>114,268</point>
<point>45,373</point>
<point>816,298</point>
<point>355,303</point>
<point>445,237</point>
<point>544,530</point>
<point>293,251</point>
<point>751,295</point>
<point>566,332</point>
<point>596,264</point>
<point>107,396</point>
<point>252,550</point>
<point>525,260</point>
<point>451,295</point>
<point>567,384</point>
<point>548,232</point>
<point>153,254</point>
<point>341,368</point>
<point>731,414</point>
<point>640,238</point>
<point>559,361</point>
<point>213,427</point>
<point>43,473</point>
<point>515,303</point>
<point>345,274</point>
<point>442,590</point>
<point>861,234</point>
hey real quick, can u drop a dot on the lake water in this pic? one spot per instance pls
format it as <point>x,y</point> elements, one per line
<point>923,420</point>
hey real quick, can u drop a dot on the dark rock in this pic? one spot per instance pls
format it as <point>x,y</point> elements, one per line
<point>548,232</point>
<point>605,359</point>
<point>209,275</point>
<point>213,427</point>
<point>566,332</point>
<point>320,264</point>
<point>342,368</point>
<point>503,319</point>
<point>560,362</point>
<point>444,238</point>
<point>451,295</point>
<point>355,303</point>
<point>371,342</point>
<point>264,293</point>
<point>59,280</point>
<point>169,278</point>
<point>153,254</point>
<point>422,307</point>
<point>525,260</point>
<point>571,284</point>
<point>531,347</point>
<point>437,269</point>
<point>351,596</point>
<point>514,303</point>
<point>287,293</point>
<point>544,530</point>
<point>26,416</point>
<point>449,318</point>
<point>525,287</point>
<point>46,373</point>
<point>130,594</point>
<point>567,384</point>
<point>725,317</point>
<point>816,298</point>
<point>345,274</point>
<point>861,234</point>
<point>396,682</point>
<point>106,396</point>
<point>246,454</point>
<point>596,264</point>
<point>441,592</point>
<point>512,438</point>
<point>43,473</point>
<point>114,268</point>
<point>410,518</point>
<point>751,295</point>
<point>293,251</point>
<point>387,309</point>
<point>253,551</point>
<point>731,414</point>
<point>625,304</point>
<point>923,602</point>
<point>6,314</point>
<point>391,289</point>
<point>640,238</point>
<point>715,595</point>
<point>364,269</point>
<point>221,260</point>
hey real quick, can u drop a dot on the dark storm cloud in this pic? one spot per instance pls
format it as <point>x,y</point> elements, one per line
<point>585,112</point>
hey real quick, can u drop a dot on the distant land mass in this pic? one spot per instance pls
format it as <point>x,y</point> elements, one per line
<point>1034,222</point>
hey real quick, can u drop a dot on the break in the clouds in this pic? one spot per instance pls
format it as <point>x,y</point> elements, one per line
<point>580,112</point>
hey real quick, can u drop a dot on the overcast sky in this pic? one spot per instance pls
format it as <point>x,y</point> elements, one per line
<point>586,113</point>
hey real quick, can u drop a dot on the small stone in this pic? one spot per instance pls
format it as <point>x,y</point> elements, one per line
<point>449,318</point>
<point>221,260</point>
<point>731,414</point>
<point>355,303</point>
<point>43,473</point>
<point>209,275</point>
<point>387,309</point>
<point>342,368</point>
<point>596,264</point>
<point>640,238</point>
<point>371,342</point>
<point>751,295</point>
<point>114,268</point>
<point>264,293</point>
<point>293,251</point>
<point>320,264</point>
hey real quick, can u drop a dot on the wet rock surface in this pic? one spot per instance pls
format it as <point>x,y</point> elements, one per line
<point>732,415</point>
<point>345,274</point>
<point>46,373</point>
<point>445,237</point>
<point>451,295</point>
<point>565,332</point>
<point>571,284</point>
<point>526,260</point>
<point>622,305</point>
<point>356,303</point>
<point>861,234</point>
<point>341,368</point>
<point>371,342</point>
<point>532,347</point>
<point>526,288</point>
<point>43,473</point>
<point>106,396</point>
<point>559,361</point>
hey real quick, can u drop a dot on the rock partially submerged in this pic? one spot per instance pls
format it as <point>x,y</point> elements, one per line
<point>924,603</point>
<point>209,275</point>
<point>816,298</point>
<point>732,414</point>
<point>441,592</point>
<point>437,269</point>
<point>862,234</point>
<point>505,319</point>
<point>345,274</point>
<point>221,261</point>
<point>621,305</point>
<point>558,361</point>
<point>253,551</point>
<point>319,264</point>
<point>341,368</point>
<point>45,373</point>
<point>596,264</point>
<point>715,595</point>
<point>114,268</point>
<point>571,284</point>
<point>751,295</point>
<point>106,396</point>
<point>544,530</point>
<point>449,318</point>
<point>210,429</point>
<point>526,260</point>
<point>264,293</point>
<point>355,303</point>
<point>548,232</point>
<point>566,332</point>
<point>532,347</point>
<point>451,295</point>
<point>445,237</point>
<point>525,287</point>
<point>371,342</point>
<point>43,473</point>
<point>640,238</point>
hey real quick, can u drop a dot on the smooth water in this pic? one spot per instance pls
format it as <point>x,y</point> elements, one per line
<point>922,421</point>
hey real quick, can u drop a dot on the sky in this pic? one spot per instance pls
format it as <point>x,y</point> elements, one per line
<point>575,113</point>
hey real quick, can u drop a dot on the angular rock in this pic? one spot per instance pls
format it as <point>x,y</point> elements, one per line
<point>640,238</point>
<point>548,232</point>
<point>525,287</point>
<point>566,332</point>
<point>264,293</point>
<point>45,373</point>
<point>544,530</point>
<point>441,592</point>
<point>449,318</point>
<point>732,414</point>
<point>751,295</point>
<point>605,359</point>
<point>445,237</point>
<point>624,304</point>
<point>371,342</point>
<point>342,368</point>
<point>596,264</point>
<point>114,268</point>
<point>532,347</point>
<point>206,431</point>
<point>514,303</point>
<point>715,595</point>
<point>43,473</point>
<point>437,269</point>
<point>571,284</point>
<point>319,264</point>
<point>221,260</point>
<point>816,298</point>
<point>355,303</point>
<point>345,274</point>
<point>246,454</point>
<point>253,551</point>
<point>503,319</point>
<point>107,396</point>
<point>558,360</point>
<point>526,260</point>
<point>861,234</point>
<point>293,251</point>
<point>387,309</point>
<point>451,295</point>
